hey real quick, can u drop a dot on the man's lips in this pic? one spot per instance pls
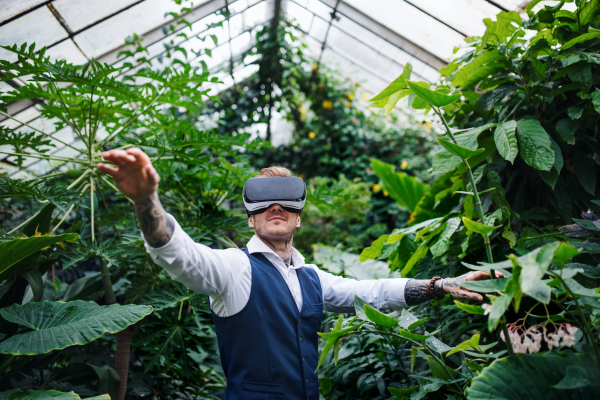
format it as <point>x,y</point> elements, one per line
<point>276,218</point>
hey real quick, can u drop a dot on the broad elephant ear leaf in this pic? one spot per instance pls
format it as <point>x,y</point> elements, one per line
<point>56,325</point>
<point>15,250</point>
<point>532,376</point>
<point>45,394</point>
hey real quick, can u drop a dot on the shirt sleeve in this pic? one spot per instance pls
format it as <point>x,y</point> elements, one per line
<point>339,292</point>
<point>202,269</point>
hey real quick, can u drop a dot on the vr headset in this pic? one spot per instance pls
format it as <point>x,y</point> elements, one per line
<point>260,193</point>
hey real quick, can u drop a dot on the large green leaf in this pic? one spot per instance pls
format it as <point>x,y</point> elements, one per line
<point>506,140</point>
<point>443,242</point>
<point>398,84</point>
<point>480,67</point>
<point>431,97</point>
<point>499,307</point>
<point>475,226</point>
<point>532,377</point>
<point>18,394</point>
<point>497,32</point>
<point>378,317</point>
<point>593,34</point>
<point>485,286</point>
<point>457,150</point>
<point>374,250</point>
<point>15,250</point>
<point>445,162</point>
<point>57,325</point>
<point>406,190</point>
<point>535,145</point>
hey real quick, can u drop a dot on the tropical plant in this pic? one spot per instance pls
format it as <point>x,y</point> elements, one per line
<point>105,107</point>
<point>517,120</point>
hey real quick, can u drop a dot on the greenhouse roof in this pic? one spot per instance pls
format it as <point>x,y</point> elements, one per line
<point>368,41</point>
<point>372,39</point>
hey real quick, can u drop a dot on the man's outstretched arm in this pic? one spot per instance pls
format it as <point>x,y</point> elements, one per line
<point>199,267</point>
<point>137,179</point>
<point>154,222</point>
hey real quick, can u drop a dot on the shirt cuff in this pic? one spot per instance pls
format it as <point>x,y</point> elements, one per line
<point>172,249</point>
<point>395,293</point>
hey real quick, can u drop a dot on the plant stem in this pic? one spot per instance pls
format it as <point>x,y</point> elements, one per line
<point>486,238</point>
<point>92,207</point>
<point>509,346</point>
<point>45,157</point>
<point>63,218</point>
<point>24,223</point>
<point>76,181</point>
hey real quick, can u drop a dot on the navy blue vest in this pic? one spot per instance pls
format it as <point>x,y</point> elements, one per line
<point>269,350</point>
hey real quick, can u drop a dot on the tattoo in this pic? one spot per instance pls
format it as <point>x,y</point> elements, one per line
<point>155,224</point>
<point>416,291</point>
<point>284,252</point>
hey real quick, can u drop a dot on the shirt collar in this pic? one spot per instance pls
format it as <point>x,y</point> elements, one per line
<point>256,245</point>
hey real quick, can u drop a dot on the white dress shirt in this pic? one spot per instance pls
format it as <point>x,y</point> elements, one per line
<point>226,276</point>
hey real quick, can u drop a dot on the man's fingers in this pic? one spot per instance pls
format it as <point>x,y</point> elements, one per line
<point>140,157</point>
<point>108,169</point>
<point>152,175</point>
<point>118,157</point>
<point>465,294</point>
<point>479,275</point>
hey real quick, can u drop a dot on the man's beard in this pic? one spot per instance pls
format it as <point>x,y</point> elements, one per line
<point>275,237</point>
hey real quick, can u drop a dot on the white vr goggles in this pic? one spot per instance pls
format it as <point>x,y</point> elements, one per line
<point>260,193</point>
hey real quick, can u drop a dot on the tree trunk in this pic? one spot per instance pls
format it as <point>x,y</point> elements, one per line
<point>122,359</point>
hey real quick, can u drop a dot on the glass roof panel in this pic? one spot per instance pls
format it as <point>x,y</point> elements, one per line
<point>320,9</point>
<point>112,32</point>
<point>11,8</point>
<point>318,29</point>
<point>79,14</point>
<point>466,16</point>
<point>67,50</point>
<point>416,26</point>
<point>302,16</point>
<point>38,26</point>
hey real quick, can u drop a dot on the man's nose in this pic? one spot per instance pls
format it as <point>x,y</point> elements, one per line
<point>275,208</point>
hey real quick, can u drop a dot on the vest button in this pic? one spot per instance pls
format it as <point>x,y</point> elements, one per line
<point>304,360</point>
<point>307,381</point>
<point>300,339</point>
<point>299,320</point>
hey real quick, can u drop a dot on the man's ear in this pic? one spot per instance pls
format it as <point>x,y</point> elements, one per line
<point>251,221</point>
<point>298,222</point>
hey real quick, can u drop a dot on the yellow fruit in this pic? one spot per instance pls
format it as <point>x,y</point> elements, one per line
<point>327,104</point>
<point>311,135</point>
<point>385,193</point>
<point>404,164</point>
<point>376,188</point>
<point>351,96</point>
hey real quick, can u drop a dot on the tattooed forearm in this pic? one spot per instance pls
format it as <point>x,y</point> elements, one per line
<point>417,291</point>
<point>155,224</point>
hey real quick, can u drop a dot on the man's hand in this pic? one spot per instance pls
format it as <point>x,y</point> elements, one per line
<point>417,290</point>
<point>134,176</point>
<point>452,285</point>
<point>137,179</point>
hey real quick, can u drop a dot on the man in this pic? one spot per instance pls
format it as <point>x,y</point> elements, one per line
<point>267,303</point>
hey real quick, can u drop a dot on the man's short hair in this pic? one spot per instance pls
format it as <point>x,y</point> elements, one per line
<point>271,172</point>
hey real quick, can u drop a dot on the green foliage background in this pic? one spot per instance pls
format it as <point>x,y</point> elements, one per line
<point>518,112</point>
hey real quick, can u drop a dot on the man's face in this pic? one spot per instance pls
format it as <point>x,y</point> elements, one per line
<point>275,224</point>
